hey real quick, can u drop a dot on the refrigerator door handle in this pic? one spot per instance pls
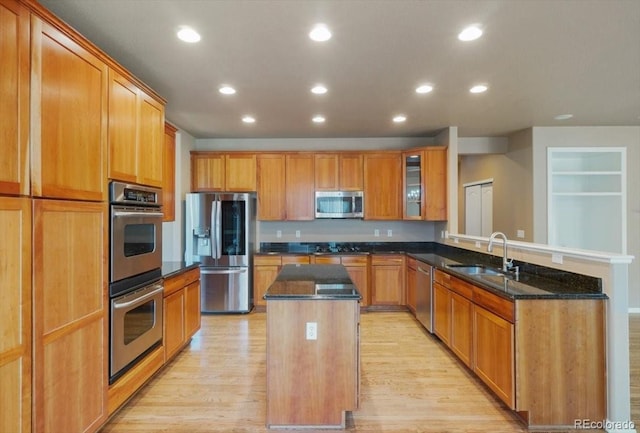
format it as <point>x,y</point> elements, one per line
<point>218,228</point>
<point>223,271</point>
<point>214,235</point>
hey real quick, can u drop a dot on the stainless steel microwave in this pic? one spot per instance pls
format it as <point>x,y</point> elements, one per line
<point>339,204</point>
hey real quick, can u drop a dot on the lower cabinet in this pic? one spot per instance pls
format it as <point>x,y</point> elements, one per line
<point>265,271</point>
<point>181,311</point>
<point>441,307</point>
<point>387,279</point>
<point>461,341</point>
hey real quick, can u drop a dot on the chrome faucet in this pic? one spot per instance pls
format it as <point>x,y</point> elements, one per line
<point>506,263</point>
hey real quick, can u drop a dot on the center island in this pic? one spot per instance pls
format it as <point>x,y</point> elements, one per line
<point>313,347</point>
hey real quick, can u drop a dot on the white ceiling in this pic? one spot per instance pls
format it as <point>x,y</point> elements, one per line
<point>540,58</point>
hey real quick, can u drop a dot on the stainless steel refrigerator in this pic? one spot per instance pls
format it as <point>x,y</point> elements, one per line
<point>220,234</point>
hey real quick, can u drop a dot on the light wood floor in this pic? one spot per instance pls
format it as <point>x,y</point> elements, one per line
<point>409,383</point>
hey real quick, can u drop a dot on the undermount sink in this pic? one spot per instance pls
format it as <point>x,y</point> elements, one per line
<point>475,269</point>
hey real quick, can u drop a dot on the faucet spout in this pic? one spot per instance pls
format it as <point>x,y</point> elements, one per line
<point>506,263</point>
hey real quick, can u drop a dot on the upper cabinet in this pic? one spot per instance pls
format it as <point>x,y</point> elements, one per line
<point>212,171</point>
<point>169,174</point>
<point>425,184</point>
<point>300,187</point>
<point>382,186</point>
<point>338,172</point>
<point>14,98</point>
<point>271,184</point>
<point>68,117</point>
<point>136,133</point>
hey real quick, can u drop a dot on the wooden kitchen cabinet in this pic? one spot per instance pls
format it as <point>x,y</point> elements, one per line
<point>265,270</point>
<point>461,337</point>
<point>412,284</point>
<point>493,349</point>
<point>169,174</point>
<point>136,133</point>
<point>425,184</point>
<point>300,187</point>
<point>271,185</point>
<point>15,314</point>
<point>212,171</point>
<point>68,127</point>
<point>387,279</point>
<point>382,186</point>
<point>70,315</point>
<point>181,311</point>
<point>441,306</point>
<point>357,267</point>
<point>339,172</point>
<point>14,103</point>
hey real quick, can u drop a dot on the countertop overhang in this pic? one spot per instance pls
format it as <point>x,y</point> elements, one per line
<point>313,282</point>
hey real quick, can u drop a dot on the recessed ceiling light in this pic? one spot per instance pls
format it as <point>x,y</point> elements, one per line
<point>320,33</point>
<point>563,116</point>
<point>425,88</point>
<point>400,118</point>
<point>249,119</point>
<point>227,90</point>
<point>470,33</point>
<point>318,119</point>
<point>319,89</point>
<point>480,88</point>
<point>187,34</point>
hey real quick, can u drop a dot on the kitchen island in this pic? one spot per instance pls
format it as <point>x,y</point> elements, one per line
<point>313,365</point>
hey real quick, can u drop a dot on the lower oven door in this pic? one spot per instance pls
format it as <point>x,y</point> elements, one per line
<point>136,326</point>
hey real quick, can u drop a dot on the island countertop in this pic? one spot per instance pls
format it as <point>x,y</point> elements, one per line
<point>313,282</point>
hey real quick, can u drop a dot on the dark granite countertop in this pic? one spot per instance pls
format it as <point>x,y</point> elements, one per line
<point>533,282</point>
<point>313,282</point>
<point>170,269</point>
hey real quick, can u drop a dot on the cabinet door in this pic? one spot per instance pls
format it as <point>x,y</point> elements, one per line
<point>14,98</point>
<point>326,172</point>
<point>174,332</point>
<point>68,117</point>
<point>461,328</point>
<point>150,141</point>
<point>442,312</point>
<point>351,171</point>
<point>169,174</point>
<point>123,115</point>
<point>493,351</point>
<point>207,172</point>
<point>15,314</point>
<point>263,277</point>
<point>413,200</point>
<point>271,186</point>
<point>359,277</point>
<point>382,186</point>
<point>386,285</point>
<point>300,187</point>
<point>435,184</point>
<point>240,172</point>
<point>191,309</point>
<point>70,315</point>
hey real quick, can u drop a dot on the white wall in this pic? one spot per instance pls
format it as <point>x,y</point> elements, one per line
<point>592,136</point>
<point>311,144</point>
<point>173,232</point>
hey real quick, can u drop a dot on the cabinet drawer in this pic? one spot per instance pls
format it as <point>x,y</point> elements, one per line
<point>354,261</point>
<point>500,306</point>
<point>327,260</point>
<point>288,260</point>
<point>441,277</point>
<point>268,260</point>
<point>461,287</point>
<point>177,282</point>
<point>394,259</point>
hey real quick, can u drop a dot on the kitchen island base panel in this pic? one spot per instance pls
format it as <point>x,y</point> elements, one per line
<point>311,383</point>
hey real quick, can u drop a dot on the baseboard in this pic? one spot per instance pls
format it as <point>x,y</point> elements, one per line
<point>634,310</point>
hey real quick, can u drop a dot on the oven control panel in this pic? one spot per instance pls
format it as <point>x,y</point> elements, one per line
<point>128,193</point>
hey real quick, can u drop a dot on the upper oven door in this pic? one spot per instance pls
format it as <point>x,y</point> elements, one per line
<point>136,241</point>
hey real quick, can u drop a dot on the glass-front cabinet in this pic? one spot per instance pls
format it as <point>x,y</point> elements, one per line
<point>413,201</point>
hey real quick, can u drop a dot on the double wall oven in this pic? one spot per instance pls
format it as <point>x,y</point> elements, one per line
<point>135,275</point>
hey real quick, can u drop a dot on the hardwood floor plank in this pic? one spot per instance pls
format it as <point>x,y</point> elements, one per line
<point>410,383</point>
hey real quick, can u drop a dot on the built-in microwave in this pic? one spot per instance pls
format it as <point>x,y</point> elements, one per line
<point>339,204</point>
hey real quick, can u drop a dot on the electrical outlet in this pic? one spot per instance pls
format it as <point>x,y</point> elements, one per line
<point>556,258</point>
<point>520,234</point>
<point>297,233</point>
<point>312,330</point>
<point>278,233</point>
<point>389,233</point>
<point>442,234</point>
<point>477,244</point>
<point>456,241</point>
<point>376,233</point>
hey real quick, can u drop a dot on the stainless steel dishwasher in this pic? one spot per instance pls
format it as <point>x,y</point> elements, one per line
<point>424,295</point>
